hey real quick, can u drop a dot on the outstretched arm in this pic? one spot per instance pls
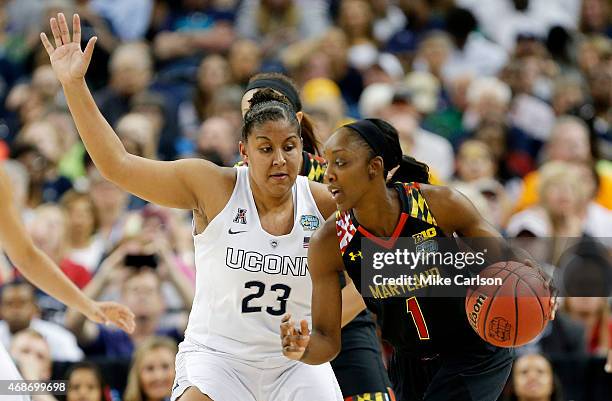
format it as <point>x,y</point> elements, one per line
<point>323,344</point>
<point>43,273</point>
<point>173,184</point>
<point>455,213</point>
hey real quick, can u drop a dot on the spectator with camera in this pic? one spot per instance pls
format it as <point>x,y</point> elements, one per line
<point>137,269</point>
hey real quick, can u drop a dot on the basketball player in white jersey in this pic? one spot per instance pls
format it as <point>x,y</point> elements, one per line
<point>251,232</point>
<point>42,272</point>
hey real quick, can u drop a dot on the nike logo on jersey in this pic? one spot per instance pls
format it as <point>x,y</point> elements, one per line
<point>235,232</point>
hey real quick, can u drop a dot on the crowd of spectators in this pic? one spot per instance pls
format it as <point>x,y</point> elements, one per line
<point>508,101</point>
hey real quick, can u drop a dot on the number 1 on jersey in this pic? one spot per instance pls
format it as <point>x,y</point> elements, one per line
<point>413,308</point>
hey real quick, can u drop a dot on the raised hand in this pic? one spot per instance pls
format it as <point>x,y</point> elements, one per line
<point>112,312</point>
<point>294,341</point>
<point>68,61</point>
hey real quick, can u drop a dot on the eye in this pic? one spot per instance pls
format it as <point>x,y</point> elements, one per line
<point>339,162</point>
<point>289,147</point>
<point>265,149</point>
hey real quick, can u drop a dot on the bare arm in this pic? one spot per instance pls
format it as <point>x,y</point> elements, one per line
<point>43,273</point>
<point>352,302</point>
<point>323,344</point>
<point>173,184</point>
<point>455,213</point>
<point>85,331</point>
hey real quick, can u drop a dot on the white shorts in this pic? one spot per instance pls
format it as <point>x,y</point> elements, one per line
<point>223,377</point>
<point>8,371</point>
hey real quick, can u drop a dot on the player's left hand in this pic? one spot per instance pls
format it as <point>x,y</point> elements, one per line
<point>294,340</point>
<point>112,312</point>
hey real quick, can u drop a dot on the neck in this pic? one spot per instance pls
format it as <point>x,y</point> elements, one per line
<point>145,327</point>
<point>378,210</point>
<point>568,226</point>
<point>79,240</point>
<point>108,218</point>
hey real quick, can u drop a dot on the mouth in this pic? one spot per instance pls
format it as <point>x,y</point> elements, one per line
<point>335,192</point>
<point>279,176</point>
<point>533,385</point>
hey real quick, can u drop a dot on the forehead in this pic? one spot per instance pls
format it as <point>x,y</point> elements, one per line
<point>27,341</point>
<point>532,361</point>
<point>343,139</point>
<point>20,291</point>
<point>144,277</point>
<point>158,354</point>
<point>275,131</point>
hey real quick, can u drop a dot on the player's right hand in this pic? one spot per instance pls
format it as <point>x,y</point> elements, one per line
<point>294,340</point>
<point>68,61</point>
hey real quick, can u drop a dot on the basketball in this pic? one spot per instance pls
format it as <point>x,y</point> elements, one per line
<point>513,313</point>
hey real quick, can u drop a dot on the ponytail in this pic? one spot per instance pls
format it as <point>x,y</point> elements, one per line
<point>382,139</point>
<point>411,170</point>
<point>309,139</point>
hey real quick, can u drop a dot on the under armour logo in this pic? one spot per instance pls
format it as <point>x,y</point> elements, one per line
<point>240,216</point>
<point>354,255</point>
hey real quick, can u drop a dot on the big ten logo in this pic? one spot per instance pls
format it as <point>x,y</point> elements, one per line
<point>355,255</point>
<point>423,235</point>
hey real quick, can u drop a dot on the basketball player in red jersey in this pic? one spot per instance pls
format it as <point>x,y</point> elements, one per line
<point>438,356</point>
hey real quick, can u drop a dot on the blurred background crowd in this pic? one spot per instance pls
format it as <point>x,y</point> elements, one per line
<point>509,101</point>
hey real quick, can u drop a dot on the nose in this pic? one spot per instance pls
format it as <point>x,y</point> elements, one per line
<point>329,175</point>
<point>279,158</point>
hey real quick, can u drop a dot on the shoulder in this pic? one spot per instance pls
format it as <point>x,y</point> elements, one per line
<point>323,199</point>
<point>450,207</point>
<point>441,195</point>
<point>324,245</point>
<point>327,232</point>
<point>205,175</point>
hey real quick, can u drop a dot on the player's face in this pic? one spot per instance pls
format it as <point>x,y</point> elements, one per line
<point>83,385</point>
<point>347,172</point>
<point>532,378</point>
<point>157,373</point>
<point>273,152</point>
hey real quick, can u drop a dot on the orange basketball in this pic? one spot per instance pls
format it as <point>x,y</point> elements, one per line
<point>513,313</point>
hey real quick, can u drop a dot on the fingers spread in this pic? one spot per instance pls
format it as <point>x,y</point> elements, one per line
<point>47,45</point>
<point>56,32</point>
<point>76,29</point>
<point>89,49</point>
<point>63,27</point>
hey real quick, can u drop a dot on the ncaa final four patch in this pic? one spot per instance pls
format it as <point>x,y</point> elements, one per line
<point>309,222</point>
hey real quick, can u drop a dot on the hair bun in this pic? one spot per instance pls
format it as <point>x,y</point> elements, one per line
<point>267,95</point>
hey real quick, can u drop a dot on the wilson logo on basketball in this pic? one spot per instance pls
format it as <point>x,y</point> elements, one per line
<point>475,313</point>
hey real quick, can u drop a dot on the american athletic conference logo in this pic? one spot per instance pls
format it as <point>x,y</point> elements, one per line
<point>240,216</point>
<point>309,222</point>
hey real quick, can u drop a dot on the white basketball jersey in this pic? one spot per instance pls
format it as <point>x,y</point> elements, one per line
<point>247,279</point>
